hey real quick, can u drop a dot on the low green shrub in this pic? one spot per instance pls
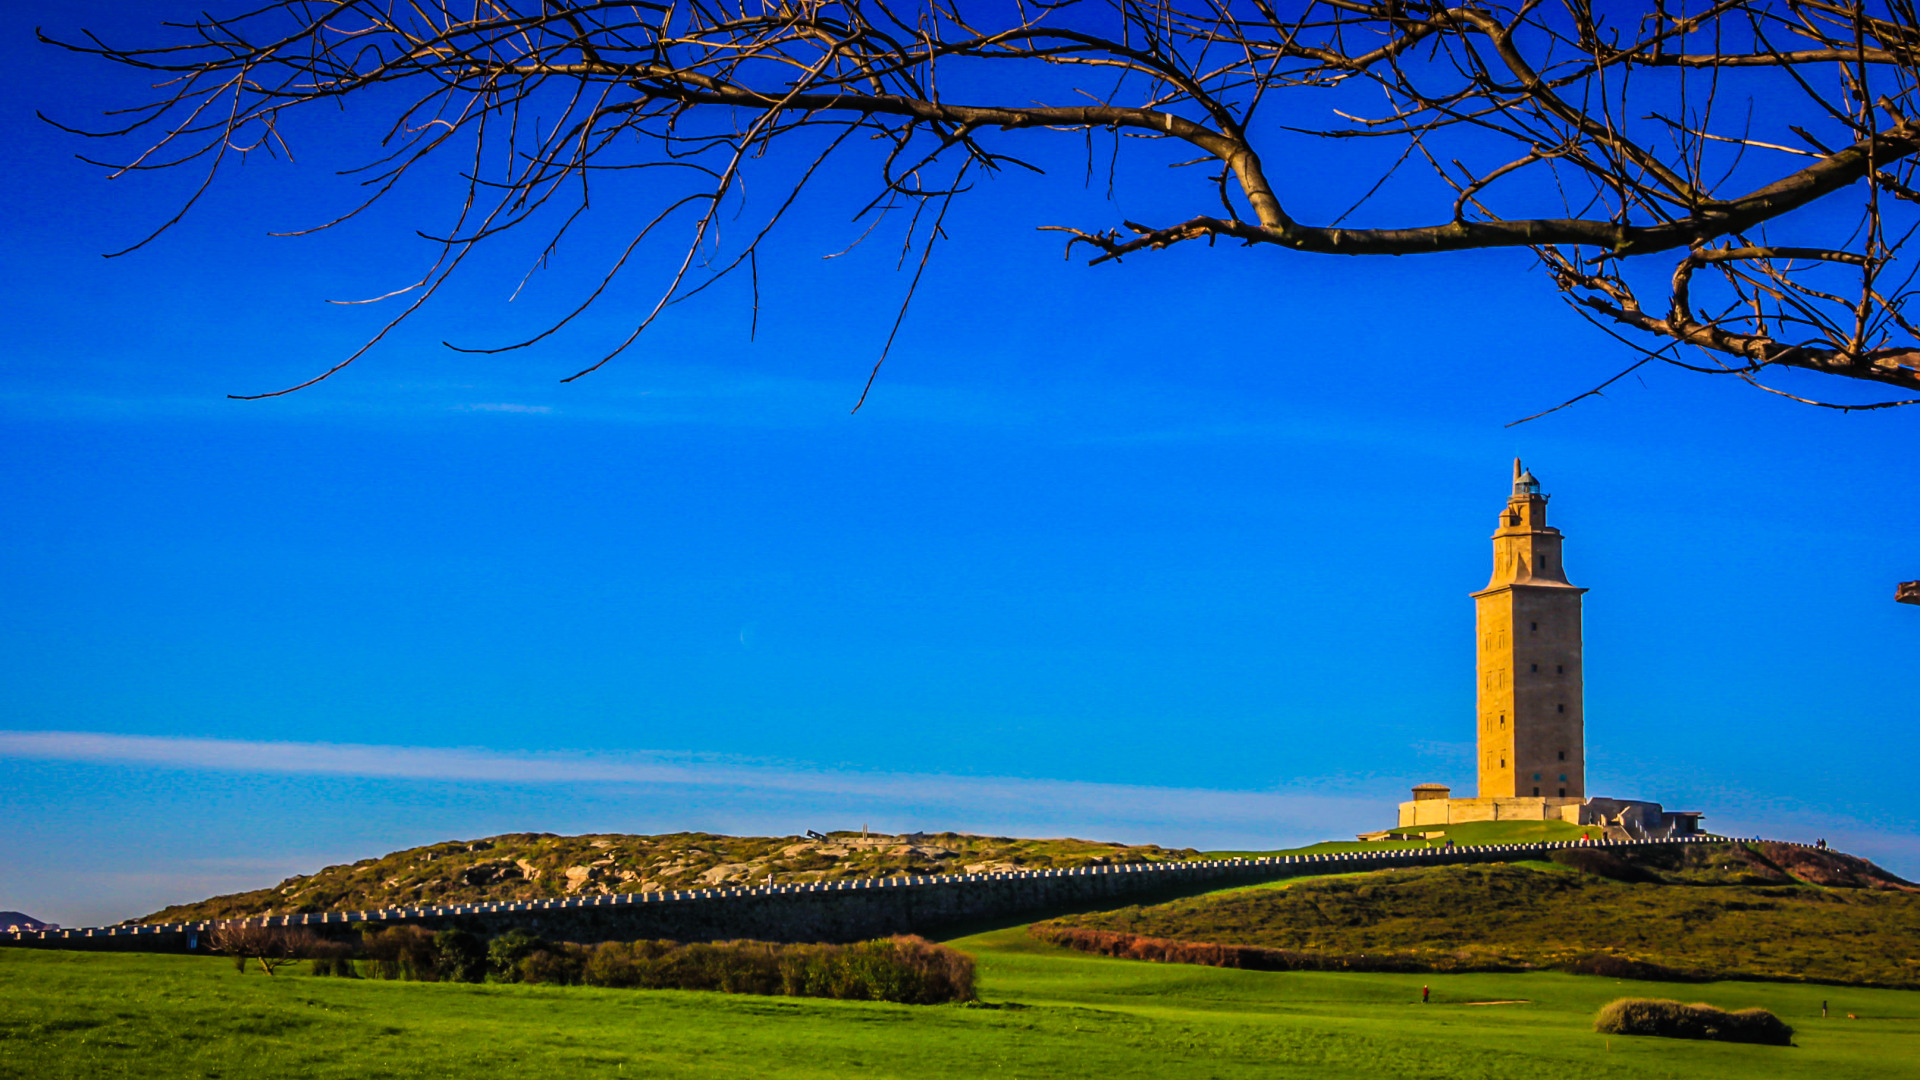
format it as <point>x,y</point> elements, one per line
<point>907,970</point>
<point>1673,1020</point>
<point>461,956</point>
<point>328,957</point>
<point>506,953</point>
<point>401,952</point>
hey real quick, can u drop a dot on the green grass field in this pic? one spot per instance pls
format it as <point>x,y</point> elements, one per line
<point>1055,1014</point>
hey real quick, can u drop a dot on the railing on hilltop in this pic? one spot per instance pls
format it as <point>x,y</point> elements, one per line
<point>1171,870</point>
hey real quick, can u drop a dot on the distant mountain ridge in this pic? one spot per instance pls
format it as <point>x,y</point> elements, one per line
<point>20,920</point>
<point>531,866</point>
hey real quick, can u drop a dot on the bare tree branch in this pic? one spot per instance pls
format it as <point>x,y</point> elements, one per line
<point>1586,132</point>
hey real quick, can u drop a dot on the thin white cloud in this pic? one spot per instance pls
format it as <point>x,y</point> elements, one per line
<point>1178,810</point>
<point>681,395</point>
<point>504,406</point>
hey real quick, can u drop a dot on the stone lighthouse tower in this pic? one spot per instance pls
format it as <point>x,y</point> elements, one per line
<point>1532,734</point>
<point>1530,712</point>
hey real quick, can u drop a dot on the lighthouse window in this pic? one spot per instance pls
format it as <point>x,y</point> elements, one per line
<point>1546,561</point>
<point>1560,708</point>
<point>1563,757</point>
<point>1536,789</point>
<point>1535,667</point>
<point>1536,776</point>
<point>1560,669</point>
<point>1563,793</point>
<point>1563,779</point>
<point>1536,626</point>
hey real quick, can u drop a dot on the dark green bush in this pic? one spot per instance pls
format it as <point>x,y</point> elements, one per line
<point>1673,1020</point>
<point>908,970</point>
<point>506,952</point>
<point>459,956</point>
<point>328,957</point>
<point>401,952</point>
<point>560,963</point>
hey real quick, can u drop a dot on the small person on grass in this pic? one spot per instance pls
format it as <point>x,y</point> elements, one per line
<point>1424,993</point>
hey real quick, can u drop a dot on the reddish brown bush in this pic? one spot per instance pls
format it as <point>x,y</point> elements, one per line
<point>270,946</point>
<point>1609,966</point>
<point>1256,958</point>
<point>1251,957</point>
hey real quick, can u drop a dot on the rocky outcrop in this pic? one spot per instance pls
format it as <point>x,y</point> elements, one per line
<point>481,875</point>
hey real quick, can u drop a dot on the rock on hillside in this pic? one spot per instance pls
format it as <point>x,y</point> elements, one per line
<point>528,866</point>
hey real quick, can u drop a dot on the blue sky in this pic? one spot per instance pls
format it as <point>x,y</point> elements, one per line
<point>1174,552</point>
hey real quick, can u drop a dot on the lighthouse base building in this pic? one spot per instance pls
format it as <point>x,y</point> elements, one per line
<point>1531,698</point>
<point>1634,819</point>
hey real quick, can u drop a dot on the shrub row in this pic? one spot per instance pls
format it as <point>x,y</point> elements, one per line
<point>1656,1016</point>
<point>908,970</point>
<point>1262,958</point>
<point>1251,957</point>
<point>1609,966</point>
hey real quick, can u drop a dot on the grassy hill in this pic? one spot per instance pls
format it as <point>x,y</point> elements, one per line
<point>1767,911</point>
<point>529,866</point>
<point>532,866</point>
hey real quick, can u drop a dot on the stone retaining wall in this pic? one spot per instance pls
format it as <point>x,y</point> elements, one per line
<point>828,911</point>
